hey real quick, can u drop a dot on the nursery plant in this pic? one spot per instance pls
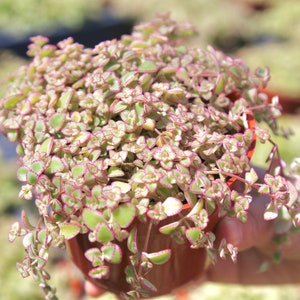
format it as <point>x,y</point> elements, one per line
<point>132,151</point>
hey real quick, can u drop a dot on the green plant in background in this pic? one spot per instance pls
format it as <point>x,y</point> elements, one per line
<point>137,129</point>
<point>209,17</point>
<point>280,20</point>
<point>267,54</point>
<point>279,27</point>
<point>22,16</point>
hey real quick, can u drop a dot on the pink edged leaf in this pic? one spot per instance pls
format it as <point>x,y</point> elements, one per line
<point>22,174</point>
<point>94,256</point>
<point>99,272</point>
<point>124,186</point>
<point>65,98</point>
<point>124,215</point>
<point>293,193</point>
<point>38,167</point>
<point>172,206</point>
<point>28,240</point>
<point>165,182</point>
<point>69,230</point>
<point>131,241</point>
<point>78,170</point>
<point>56,165</point>
<point>15,231</point>
<point>32,177</point>
<point>251,176</point>
<point>193,235</point>
<point>160,257</point>
<point>264,189</point>
<point>148,285</point>
<point>196,209</point>
<point>11,101</point>
<point>169,228</point>
<point>112,253</point>
<point>57,121</point>
<point>47,145</point>
<point>92,218</point>
<point>23,270</point>
<point>147,66</point>
<point>103,233</point>
<point>190,197</point>
<point>41,263</point>
<point>91,252</point>
<point>271,212</point>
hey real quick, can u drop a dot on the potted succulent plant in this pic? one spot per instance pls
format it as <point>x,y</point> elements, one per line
<point>132,151</point>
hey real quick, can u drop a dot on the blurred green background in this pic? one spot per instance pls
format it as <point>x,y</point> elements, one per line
<point>262,32</point>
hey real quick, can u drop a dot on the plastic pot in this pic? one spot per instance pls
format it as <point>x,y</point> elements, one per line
<point>184,266</point>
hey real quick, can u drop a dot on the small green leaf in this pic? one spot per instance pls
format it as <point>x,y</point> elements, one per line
<point>172,206</point>
<point>264,189</point>
<point>160,257</point>
<point>118,106</point>
<point>124,186</point>
<point>57,121</point>
<point>28,240</point>
<point>26,221</point>
<point>131,241</point>
<point>147,66</point>
<point>11,101</point>
<point>32,177</point>
<point>100,272</point>
<point>41,262</point>
<point>69,230</point>
<point>56,165</point>
<point>38,167</point>
<point>22,174</point>
<point>115,172</point>
<point>26,108</point>
<point>128,78</point>
<point>251,176</point>
<point>40,126</point>
<point>94,256</point>
<point>12,136</point>
<point>22,270</point>
<point>124,215</point>
<point>65,98</point>
<point>14,231</point>
<point>78,171</point>
<point>271,212</point>
<point>112,253</point>
<point>91,253</point>
<point>92,218</point>
<point>103,233</point>
<point>147,284</point>
<point>221,81</point>
<point>43,237</point>
<point>165,182</point>
<point>169,228</point>
<point>193,235</point>
<point>46,146</point>
<point>182,74</point>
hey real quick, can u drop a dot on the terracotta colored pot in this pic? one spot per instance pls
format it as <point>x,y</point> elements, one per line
<point>184,266</point>
<point>289,104</point>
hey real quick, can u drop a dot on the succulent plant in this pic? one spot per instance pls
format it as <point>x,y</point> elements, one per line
<point>137,129</point>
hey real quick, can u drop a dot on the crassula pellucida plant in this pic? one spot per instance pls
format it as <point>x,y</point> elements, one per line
<point>137,128</point>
